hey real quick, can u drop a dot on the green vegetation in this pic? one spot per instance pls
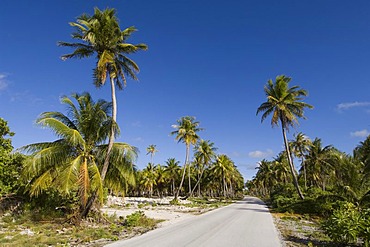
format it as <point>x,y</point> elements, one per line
<point>24,230</point>
<point>47,193</point>
<point>101,35</point>
<point>335,185</point>
<point>71,163</point>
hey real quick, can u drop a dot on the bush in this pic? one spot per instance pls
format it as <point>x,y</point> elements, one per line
<point>348,224</point>
<point>174,201</point>
<point>317,202</point>
<point>139,219</point>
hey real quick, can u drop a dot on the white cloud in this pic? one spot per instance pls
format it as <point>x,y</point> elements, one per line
<point>360,133</point>
<point>138,139</point>
<point>3,83</point>
<point>261,154</point>
<point>348,105</point>
<point>136,124</point>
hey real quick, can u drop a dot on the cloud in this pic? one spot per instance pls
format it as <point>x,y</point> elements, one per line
<point>360,133</point>
<point>136,124</point>
<point>3,82</point>
<point>261,154</point>
<point>138,139</point>
<point>346,106</point>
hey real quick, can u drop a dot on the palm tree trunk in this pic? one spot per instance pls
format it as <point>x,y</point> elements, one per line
<point>197,184</point>
<point>189,180</point>
<point>295,180</point>
<point>183,173</point>
<point>104,170</point>
<point>112,133</point>
<point>305,174</point>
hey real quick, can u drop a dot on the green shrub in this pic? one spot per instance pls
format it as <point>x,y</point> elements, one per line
<point>174,201</point>
<point>139,219</point>
<point>348,224</point>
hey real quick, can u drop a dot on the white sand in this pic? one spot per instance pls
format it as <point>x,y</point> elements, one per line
<point>161,208</point>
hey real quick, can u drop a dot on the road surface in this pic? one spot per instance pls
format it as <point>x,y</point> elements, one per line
<point>244,223</point>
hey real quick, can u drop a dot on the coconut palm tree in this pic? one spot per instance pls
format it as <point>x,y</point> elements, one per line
<point>286,106</point>
<point>148,178</point>
<point>300,146</point>
<point>222,169</point>
<point>172,171</point>
<point>320,163</point>
<point>204,152</point>
<point>101,35</point>
<point>151,149</point>
<point>74,161</point>
<point>186,132</point>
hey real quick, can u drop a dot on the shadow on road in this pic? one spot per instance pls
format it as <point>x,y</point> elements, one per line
<point>255,209</point>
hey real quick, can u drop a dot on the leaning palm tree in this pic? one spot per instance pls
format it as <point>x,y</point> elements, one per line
<point>73,162</point>
<point>151,149</point>
<point>285,104</point>
<point>186,131</point>
<point>101,35</point>
<point>204,152</point>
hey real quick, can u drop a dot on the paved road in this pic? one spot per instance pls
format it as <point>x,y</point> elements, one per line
<point>244,223</point>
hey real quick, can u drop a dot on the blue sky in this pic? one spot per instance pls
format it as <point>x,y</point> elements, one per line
<point>208,59</point>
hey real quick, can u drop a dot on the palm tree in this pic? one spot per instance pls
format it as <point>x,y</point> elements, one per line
<point>362,153</point>
<point>281,168</point>
<point>101,35</point>
<point>222,169</point>
<point>172,170</point>
<point>186,131</point>
<point>73,162</point>
<point>320,163</point>
<point>300,146</point>
<point>148,178</point>
<point>264,177</point>
<point>204,152</point>
<point>285,104</point>
<point>151,149</point>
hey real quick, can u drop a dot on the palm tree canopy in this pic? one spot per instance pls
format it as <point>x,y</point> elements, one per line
<point>186,130</point>
<point>204,151</point>
<point>73,162</point>
<point>100,34</point>
<point>284,103</point>
<point>151,149</point>
<point>300,145</point>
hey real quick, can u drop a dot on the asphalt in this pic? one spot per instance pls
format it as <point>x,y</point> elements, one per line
<point>244,223</point>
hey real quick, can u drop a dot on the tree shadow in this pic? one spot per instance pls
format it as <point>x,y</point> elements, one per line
<point>316,242</point>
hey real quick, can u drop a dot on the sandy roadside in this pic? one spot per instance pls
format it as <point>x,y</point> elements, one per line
<point>154,208</point>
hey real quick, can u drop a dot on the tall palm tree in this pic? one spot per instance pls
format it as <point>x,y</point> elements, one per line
<point>186,132</point>
<point>204,152</point>
<point>286,106</point>
<point>101,35</point>
<point>151,149</point>
<point>300,146</point>
<point>172,170</point>
<point>73,162</point>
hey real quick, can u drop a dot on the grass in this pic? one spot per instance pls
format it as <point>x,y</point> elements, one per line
<point>205,203</point>
<point>25,231</point>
